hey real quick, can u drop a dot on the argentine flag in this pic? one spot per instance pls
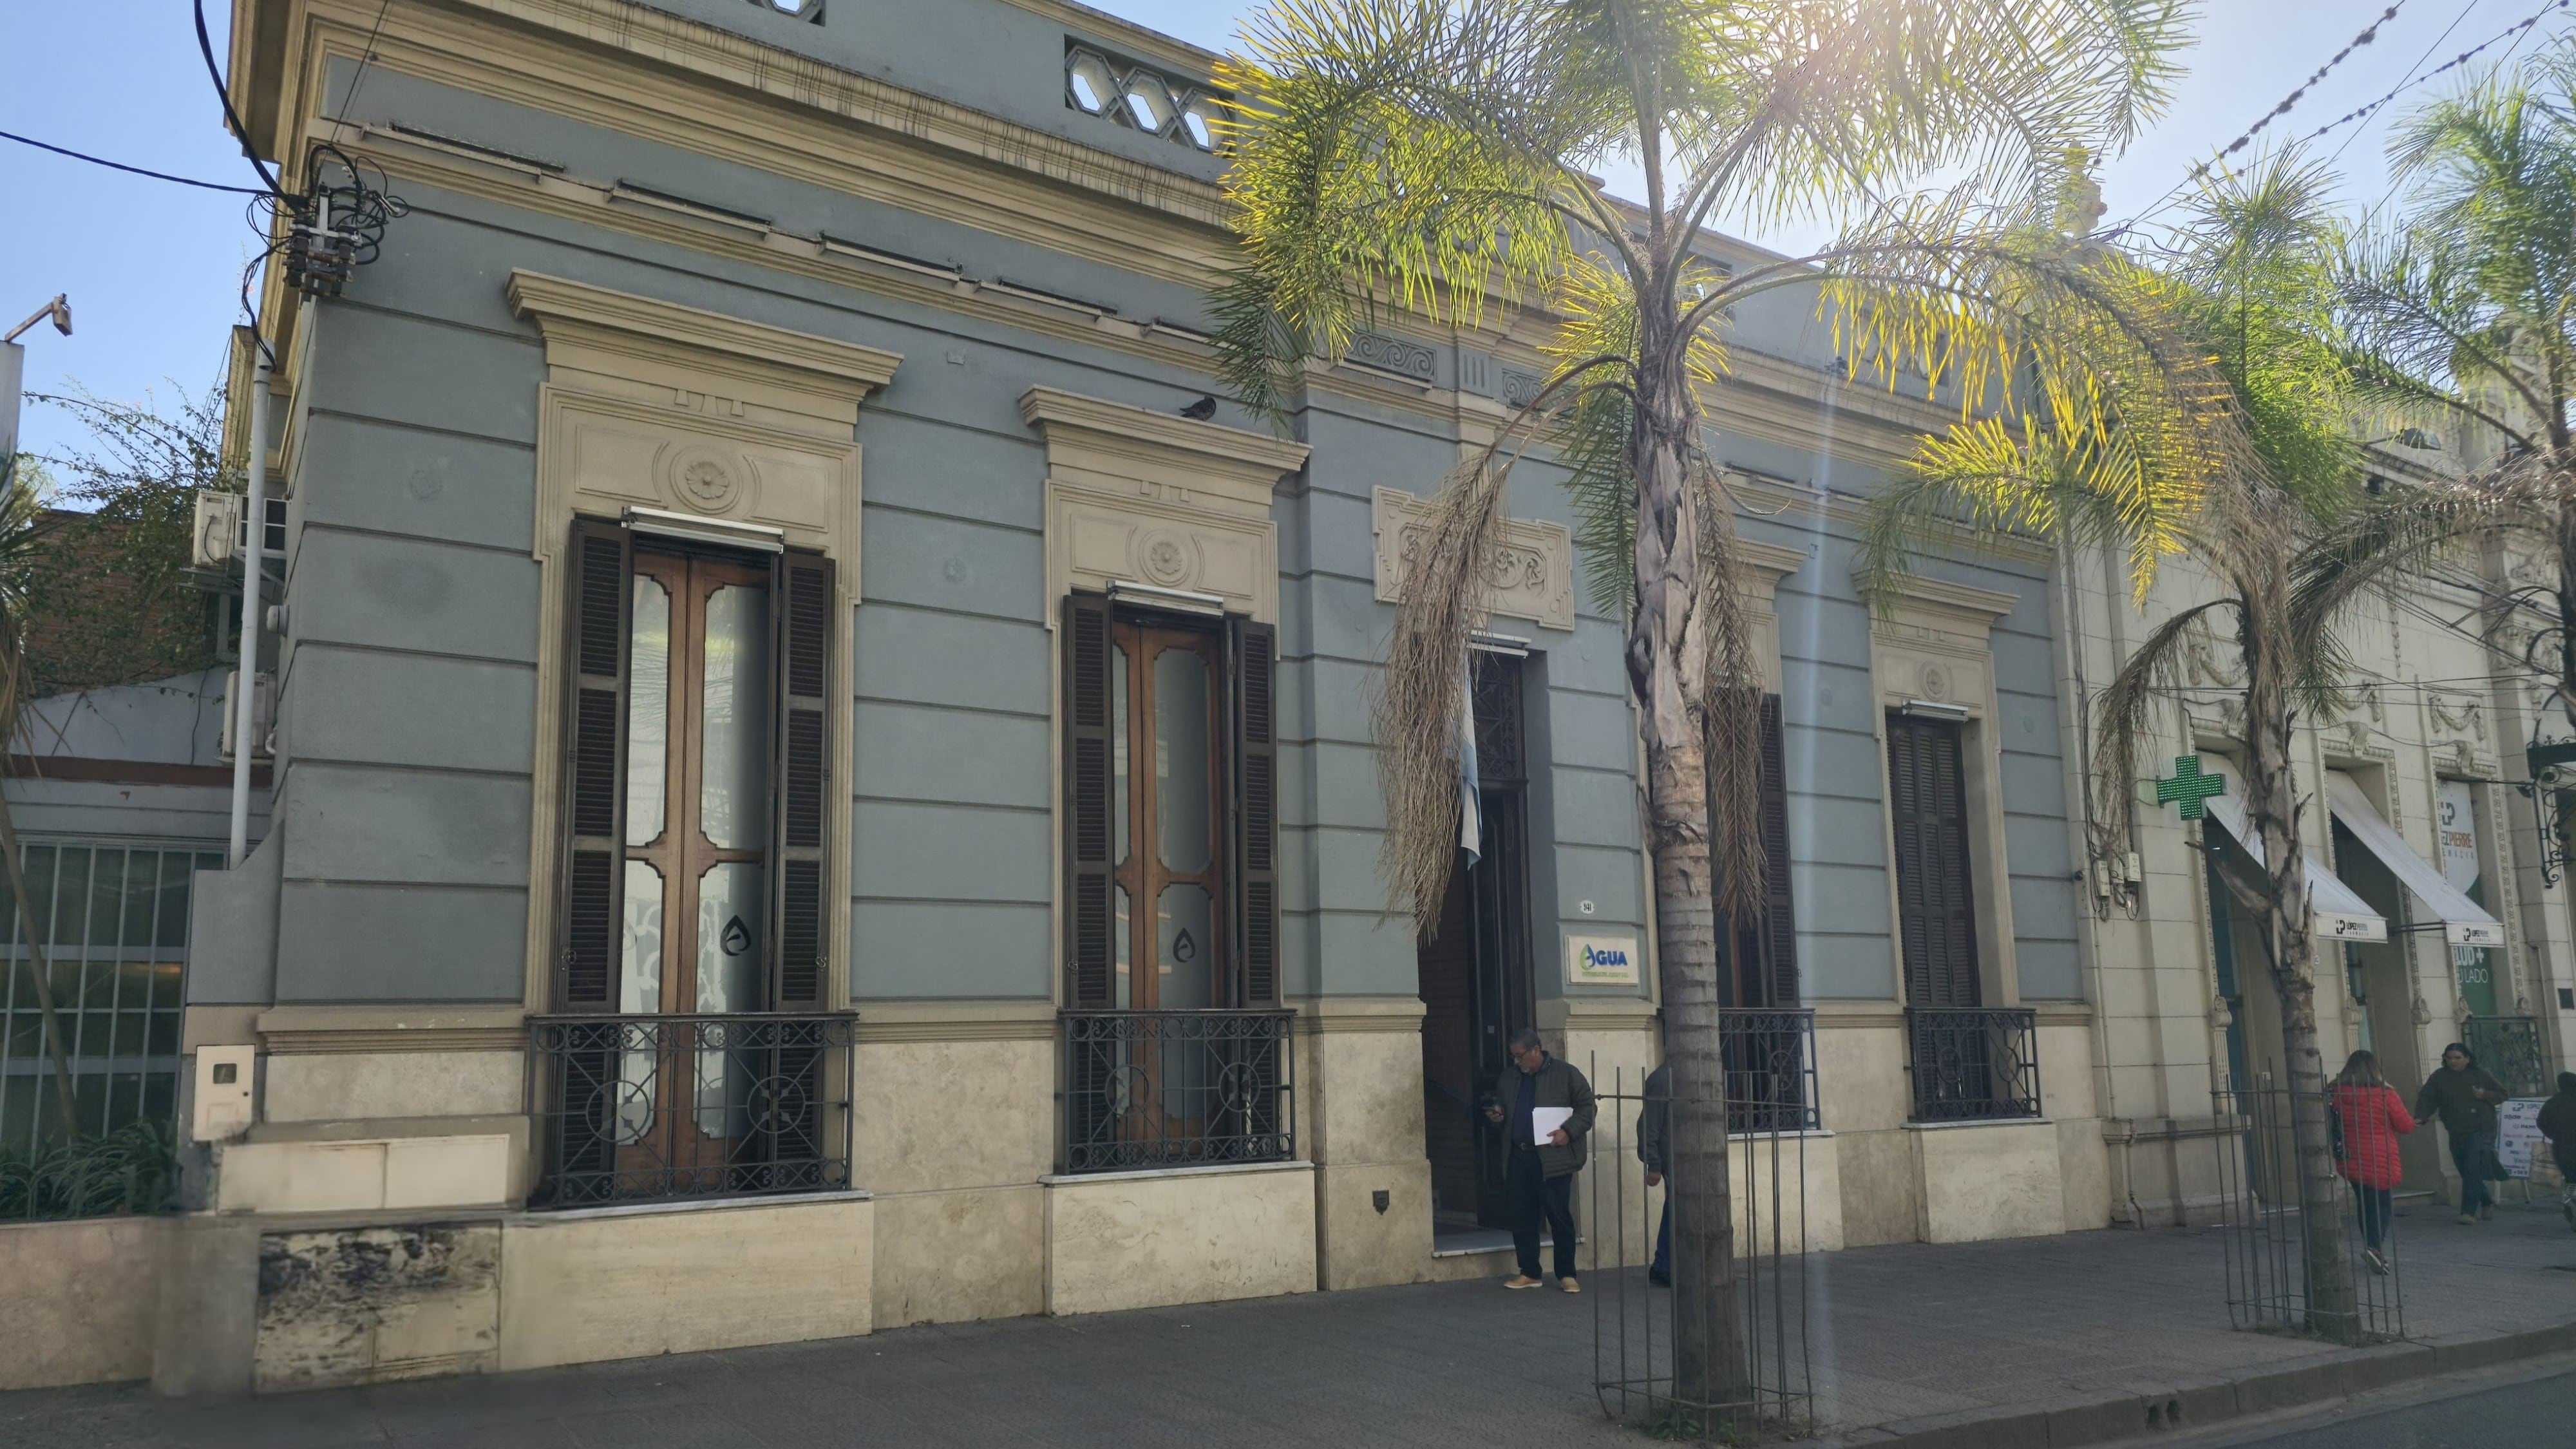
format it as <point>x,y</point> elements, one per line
<point>1470,820</point>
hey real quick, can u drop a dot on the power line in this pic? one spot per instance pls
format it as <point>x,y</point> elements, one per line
<point>2456,22</point>
<point>2369,33</point>
<point>2518,28</point>
<point>121,166</point>
<point>349,106</point>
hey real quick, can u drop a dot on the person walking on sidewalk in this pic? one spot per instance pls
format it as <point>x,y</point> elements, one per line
<point>2558,1124</point>
<point>1541,1177</point>
<point>1654,1148</point>
<point>2371,1117</point>
<point>2464,1096</point>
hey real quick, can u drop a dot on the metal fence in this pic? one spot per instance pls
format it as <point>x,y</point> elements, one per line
<point>1770,1070</point>
<point>1177,1088</point>
<point>1973,1064</point>
<point>645,1108</point>
<point>2277,1277</point>
<point>2510,1047</point>
<point>1701,1294</point>
<point>111,920</point>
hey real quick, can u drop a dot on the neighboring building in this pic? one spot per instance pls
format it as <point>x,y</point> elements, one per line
<point>718,893</point>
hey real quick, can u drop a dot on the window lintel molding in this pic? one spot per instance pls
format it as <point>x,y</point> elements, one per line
<point>1123,443</point>
<point>829,377</point>
<point>1769,563</point>
<point>1950,605</point>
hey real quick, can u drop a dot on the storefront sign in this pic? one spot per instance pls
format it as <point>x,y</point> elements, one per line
<point>2518,1135</point>
<point>2455,828</point>
<point>1601,960</point>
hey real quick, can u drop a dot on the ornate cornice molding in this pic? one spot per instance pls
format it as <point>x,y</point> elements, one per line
<point>1529,574</point>
<point>1113,434</point>
<point>364,1030</point>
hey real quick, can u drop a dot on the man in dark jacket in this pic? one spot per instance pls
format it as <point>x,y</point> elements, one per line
<point>1541,1177</point>
<point>1654,1148</point>
<point>2558,1124</point>
<point>2464,1096</point>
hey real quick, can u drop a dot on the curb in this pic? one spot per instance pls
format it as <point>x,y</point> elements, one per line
<point>2153,1408</point>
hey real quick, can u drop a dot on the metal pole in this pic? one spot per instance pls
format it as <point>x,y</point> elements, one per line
<point>246,671</point>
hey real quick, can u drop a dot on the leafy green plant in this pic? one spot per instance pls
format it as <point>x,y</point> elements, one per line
<point>132,1170</point>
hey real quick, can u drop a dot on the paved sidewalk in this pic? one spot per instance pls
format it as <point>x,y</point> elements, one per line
<point>1929,1341</point>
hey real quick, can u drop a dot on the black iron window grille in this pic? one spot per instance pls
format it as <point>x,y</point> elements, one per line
<point>1146,1089</point>
<point>648,1108</point>
<point>1770,1070</point>
<point>1973,1064</point>
<point>2509,1047</point>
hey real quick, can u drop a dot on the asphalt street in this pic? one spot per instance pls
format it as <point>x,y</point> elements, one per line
<point>2527,1406</point>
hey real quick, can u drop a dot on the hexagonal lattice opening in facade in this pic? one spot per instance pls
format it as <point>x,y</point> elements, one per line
<point>1090,86</point>
<point>1150,107</point>
<point>1201,114</point>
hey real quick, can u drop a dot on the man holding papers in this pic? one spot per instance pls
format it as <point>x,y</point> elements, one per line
<point>1547,1109</point>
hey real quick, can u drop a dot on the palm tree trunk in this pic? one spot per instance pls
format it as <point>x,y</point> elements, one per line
<point>1710,1363</point>
<point>2332,1299</point>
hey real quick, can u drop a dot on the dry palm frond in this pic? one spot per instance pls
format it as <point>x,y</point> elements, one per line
<point>2127,712</point>
<point>1730,710</point>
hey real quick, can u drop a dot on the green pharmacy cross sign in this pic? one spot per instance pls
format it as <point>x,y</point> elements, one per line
<point>2189,787</point>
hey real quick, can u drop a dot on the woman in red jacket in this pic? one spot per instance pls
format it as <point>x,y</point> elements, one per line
<point>2372,1117</point>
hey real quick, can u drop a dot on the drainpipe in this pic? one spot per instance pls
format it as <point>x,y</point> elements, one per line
<point>246,673</point>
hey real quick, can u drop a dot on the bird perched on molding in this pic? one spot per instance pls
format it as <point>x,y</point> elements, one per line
<point>1202,410</point>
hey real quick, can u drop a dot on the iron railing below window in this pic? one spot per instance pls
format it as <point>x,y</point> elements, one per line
<point>2509,1047</point>
<point>1973,1064</point>
<point>1146,1089</point>
<point>1770,1070</point>
<point>647,1108</point>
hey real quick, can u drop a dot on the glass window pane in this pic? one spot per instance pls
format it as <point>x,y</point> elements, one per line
<point>41,860</point>
<point>1181,976</point>
<point>640,983</point>
<point>648,710</point>
<point>1126,949</point>
<point>106,897</point>
<point>730,910</point>
<point>1181,759</point>
<point>1118,777</point>
<point>144,872</point>
<point>733,797</point>
<point>70,909</point>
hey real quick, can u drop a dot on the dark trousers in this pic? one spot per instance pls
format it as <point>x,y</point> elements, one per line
<point>1535,1195</point>
<point>2470,1153</point>
<point>2375,1209</point>
<point>1662,1267</point>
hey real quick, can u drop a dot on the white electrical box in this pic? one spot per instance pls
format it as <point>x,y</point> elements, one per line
<point>263,711</point>
<point>223,1102</point>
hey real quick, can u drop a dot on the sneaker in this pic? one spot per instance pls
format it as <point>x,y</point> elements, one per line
<point>2486,1212</point>
<point>2378,1263</point>
<point>1520,1280</point>
<point>1569,1285</point>
<point>2468,1220</point>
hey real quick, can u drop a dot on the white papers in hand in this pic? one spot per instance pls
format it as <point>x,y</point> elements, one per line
<point>1544,1120</point>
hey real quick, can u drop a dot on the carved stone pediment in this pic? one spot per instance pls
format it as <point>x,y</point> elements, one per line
<point>1528,575</point>
<point>1150,498</point>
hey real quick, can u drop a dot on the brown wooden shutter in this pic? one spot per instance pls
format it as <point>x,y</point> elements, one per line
<point>1256,823</point>
<point>800,968</point>
<point>1936,908</point>
<point>1780,915</point>
<point>594,795</point>
<point>1091,948</point>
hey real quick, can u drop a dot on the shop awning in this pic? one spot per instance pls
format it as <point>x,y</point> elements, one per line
<point>2334,911</point>
<point>2464,921</point>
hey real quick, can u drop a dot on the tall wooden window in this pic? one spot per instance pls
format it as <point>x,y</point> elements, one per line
<point>1766,950</point>
<point>1171,818</point>
<point>694,855</point>
<point>1935,902</point>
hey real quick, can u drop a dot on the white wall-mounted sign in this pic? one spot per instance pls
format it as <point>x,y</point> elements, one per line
<point>1601,960</point>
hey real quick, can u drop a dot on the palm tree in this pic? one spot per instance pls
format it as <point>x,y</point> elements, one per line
<point>1433,158</point>
<point>2250,272</point>
<point>2467,313</point>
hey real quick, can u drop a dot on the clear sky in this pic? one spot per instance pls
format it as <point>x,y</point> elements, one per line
<point>154,269</point>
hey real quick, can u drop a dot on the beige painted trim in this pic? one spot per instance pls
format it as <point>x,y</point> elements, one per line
<point>1530,574</point>
<point>1937,646</point>
<point>424,1027</point>
<point>1344,1015</point>
<point>963,1020</point>
<point>651,403</point>
<point>1765,565</point>
<point>1152,498</point>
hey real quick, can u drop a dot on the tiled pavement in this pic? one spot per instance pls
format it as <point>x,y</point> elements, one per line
<point>1901,1332</point>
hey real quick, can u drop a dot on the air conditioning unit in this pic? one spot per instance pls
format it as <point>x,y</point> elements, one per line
<point>218,535</point>
<point>263,711</point>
